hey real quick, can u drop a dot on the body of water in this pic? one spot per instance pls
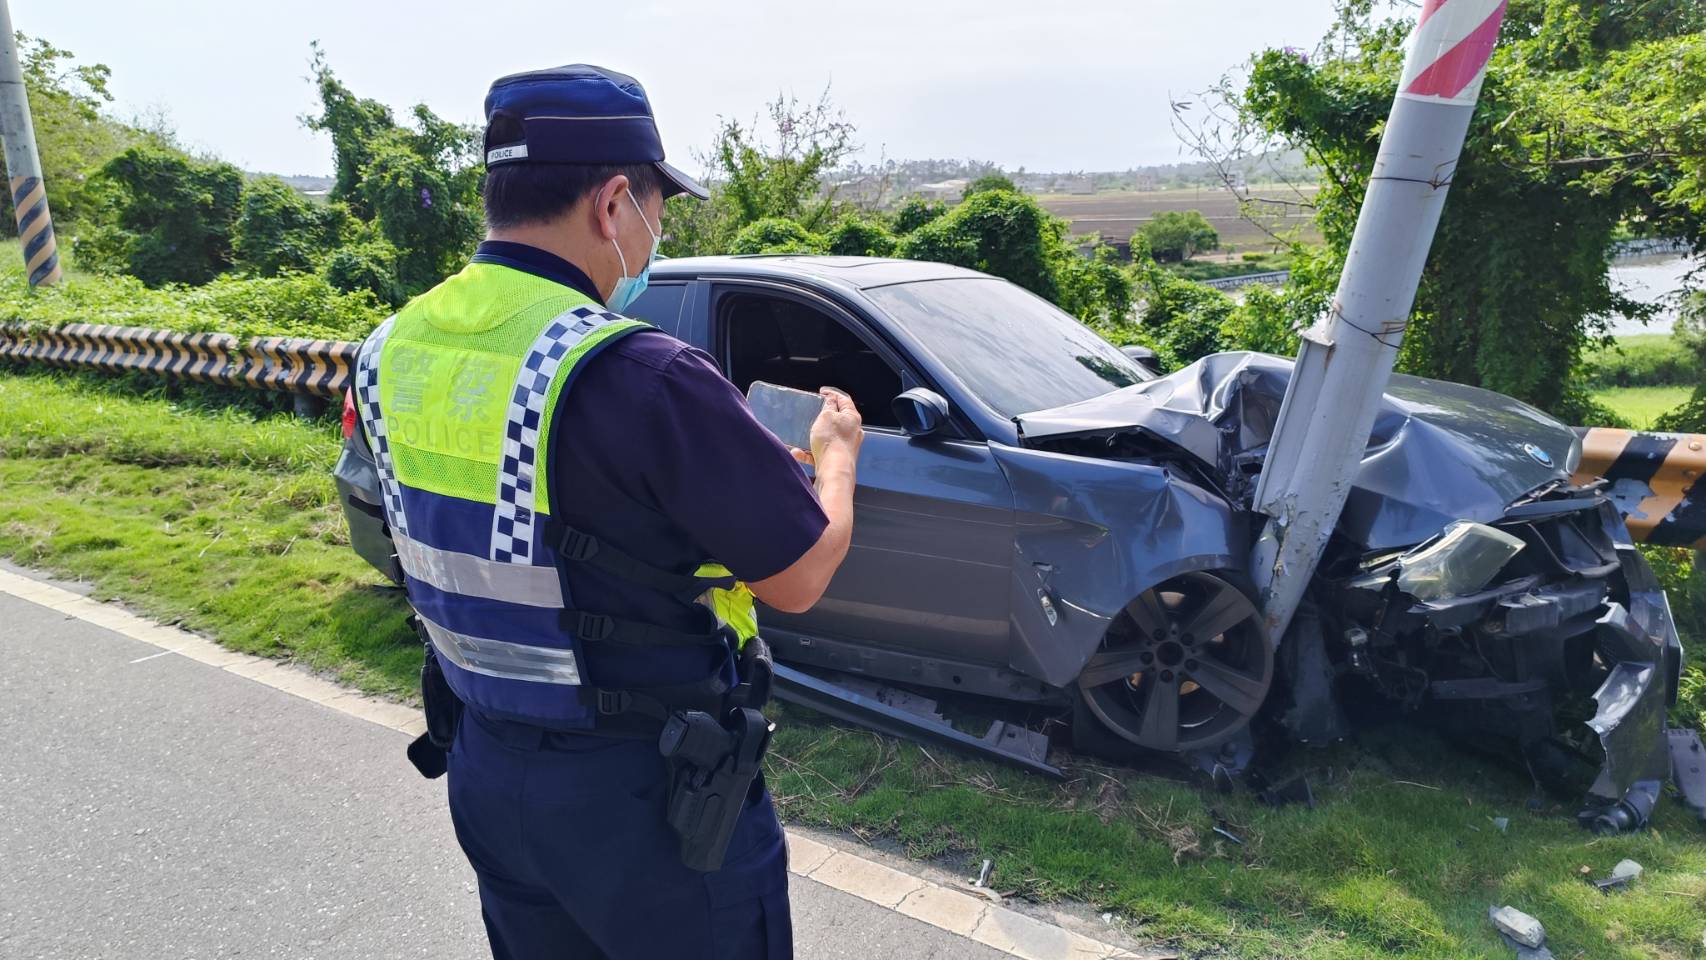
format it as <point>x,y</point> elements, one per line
<point>1655,279</point>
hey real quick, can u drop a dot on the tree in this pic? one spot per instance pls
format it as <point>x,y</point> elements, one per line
<point>73,136</point>
<point>990,181</point>
<point>354,124</point>
<point>281,230</point>
<point>425,210</point>
<point>758,176</point>
<point>1179,234</point>
<point>168,216</point>
<point>1589,120</point>
<point>418,187</point>
<point>916,212</point>
<point>1003,233</point>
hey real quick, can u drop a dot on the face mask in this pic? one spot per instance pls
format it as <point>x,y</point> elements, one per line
<point>628,289</point>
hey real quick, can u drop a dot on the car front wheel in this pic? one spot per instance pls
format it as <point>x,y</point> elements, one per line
<point>1184,667</point>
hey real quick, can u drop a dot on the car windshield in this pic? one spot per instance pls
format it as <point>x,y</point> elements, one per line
<point>1012,348</point>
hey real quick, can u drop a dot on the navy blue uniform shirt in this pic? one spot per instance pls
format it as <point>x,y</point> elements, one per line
<point>654,451</point>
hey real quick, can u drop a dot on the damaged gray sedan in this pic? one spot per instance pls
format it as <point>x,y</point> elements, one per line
<point>1041,519</point>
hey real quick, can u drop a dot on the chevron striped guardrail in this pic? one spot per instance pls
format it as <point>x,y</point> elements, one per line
<point>1657,479</point>
<point>319,368</point>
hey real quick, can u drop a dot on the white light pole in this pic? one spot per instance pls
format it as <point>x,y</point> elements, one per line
<point>1346,359</point>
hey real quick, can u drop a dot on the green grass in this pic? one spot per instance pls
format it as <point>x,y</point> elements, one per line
<point>1642,405</point>
<point>229,525</point>
<point>1641,360</point>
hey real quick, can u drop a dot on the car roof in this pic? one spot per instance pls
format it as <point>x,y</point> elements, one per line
<point>856,273</point>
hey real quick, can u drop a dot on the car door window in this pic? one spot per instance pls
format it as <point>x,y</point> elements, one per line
<point>788,342</point>
<point>660,306</point>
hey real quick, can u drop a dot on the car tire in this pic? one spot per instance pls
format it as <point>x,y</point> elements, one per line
<point>1210,686</point>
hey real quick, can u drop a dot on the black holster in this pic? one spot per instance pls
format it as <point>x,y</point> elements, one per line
<point>712,768</point>
<point>714,763</point>
<point>430,752</point>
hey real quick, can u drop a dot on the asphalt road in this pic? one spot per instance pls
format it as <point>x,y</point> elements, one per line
<point>154,807</point>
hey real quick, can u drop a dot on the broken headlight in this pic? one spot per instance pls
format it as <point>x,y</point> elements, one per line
<point>1461,561</point>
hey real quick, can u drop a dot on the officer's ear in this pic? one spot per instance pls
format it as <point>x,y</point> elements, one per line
<point>608,203</point>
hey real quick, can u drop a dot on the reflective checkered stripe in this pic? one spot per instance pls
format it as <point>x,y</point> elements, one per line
<point>367,397</point>
<point>569,335</point>
<point>464,477</point>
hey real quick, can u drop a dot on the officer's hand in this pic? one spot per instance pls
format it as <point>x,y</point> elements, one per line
<point>838,430</point>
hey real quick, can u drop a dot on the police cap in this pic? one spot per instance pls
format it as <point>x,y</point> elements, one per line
<point>577,114</point>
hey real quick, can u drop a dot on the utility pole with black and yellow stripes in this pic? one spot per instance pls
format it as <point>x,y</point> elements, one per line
<point>23,164</point>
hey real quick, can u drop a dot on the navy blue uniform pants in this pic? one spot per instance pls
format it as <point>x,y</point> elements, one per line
<point>574,858</point>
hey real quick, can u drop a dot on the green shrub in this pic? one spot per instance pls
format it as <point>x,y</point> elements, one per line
<point>299,305</point>
<point>1691,334</point>
<point>289,305</point>
<point>916,212</point>
<point>998,232</point>
<point>369,266</point>
<point>281,230</point>
<point>1682,573</point>
<point>858,237</point>
<point>988,182</point>
<point>1094,289</point>
<point>168,217</point>
<point>775,235</point>
<point>1180,319</point>
<point>1265,321</point>
<point>1649,361</point>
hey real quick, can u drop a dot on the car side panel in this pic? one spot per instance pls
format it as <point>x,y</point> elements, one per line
<point>1091,536</point>
<point>932,547</point>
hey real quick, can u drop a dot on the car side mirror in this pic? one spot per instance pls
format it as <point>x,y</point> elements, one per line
<point>921,411</point>
<point>1143,357</point>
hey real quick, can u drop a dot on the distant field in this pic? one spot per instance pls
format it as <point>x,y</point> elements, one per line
<point>1116,215</point>
<point>1642,405</point>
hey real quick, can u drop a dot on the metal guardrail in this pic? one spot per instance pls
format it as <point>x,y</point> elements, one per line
<point>317,368</point>
<point>1272,278</point>
<point>1658,479</point>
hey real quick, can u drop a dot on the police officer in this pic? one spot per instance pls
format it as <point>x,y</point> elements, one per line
<point>584,509</point>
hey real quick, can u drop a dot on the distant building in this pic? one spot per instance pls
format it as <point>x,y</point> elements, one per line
<point>1078,185</point>
<point>861,190</point>
<point>944,190</point>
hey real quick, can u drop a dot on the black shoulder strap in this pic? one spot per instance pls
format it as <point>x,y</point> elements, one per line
<point>578,546</point>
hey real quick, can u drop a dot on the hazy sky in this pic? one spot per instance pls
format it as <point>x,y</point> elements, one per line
<point>1045,85</point>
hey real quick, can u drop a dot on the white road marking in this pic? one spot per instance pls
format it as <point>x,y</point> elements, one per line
<point>924,900</point>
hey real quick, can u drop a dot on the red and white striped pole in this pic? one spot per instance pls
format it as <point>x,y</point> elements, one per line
<point>1346,359</point>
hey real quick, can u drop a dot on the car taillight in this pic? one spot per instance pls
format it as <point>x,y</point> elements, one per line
<point>349,414</point>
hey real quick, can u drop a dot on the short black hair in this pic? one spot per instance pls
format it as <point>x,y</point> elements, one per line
<point>519,193</point>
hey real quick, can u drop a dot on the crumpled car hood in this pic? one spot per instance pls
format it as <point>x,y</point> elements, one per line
<point>1439,451</point>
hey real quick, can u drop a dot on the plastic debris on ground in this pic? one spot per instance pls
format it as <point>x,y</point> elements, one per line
<point>1518,926</point>
<point>1625,873</point>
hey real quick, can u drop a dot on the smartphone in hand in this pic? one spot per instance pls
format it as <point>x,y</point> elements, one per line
<point>785,412</point>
